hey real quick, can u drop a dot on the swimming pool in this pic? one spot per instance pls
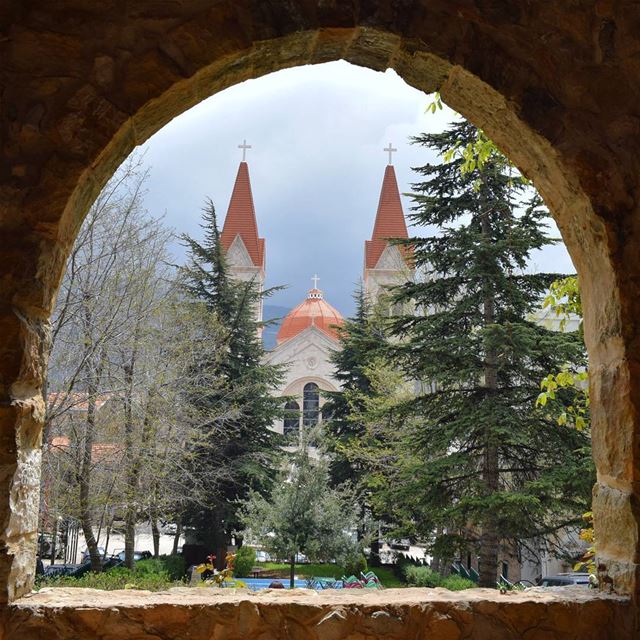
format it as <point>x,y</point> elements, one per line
<point>255,584</point>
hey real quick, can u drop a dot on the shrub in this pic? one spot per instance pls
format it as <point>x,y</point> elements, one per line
<point>457,583</point>
<point>422,576</point>
<point>153,574</point>
<point>149,566</point>
<point>355,565</point>
<point>118,578</point>
<point>245,561</point>
<point>426,577</point>
<point>175,566</point>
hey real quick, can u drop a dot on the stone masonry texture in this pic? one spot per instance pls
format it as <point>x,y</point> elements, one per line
<point>555,84</point>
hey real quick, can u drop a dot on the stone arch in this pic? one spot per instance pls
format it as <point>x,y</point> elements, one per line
<point>296,387</point>
<point>83,87</point>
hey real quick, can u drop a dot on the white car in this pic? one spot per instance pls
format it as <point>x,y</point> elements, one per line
<point>86,556</point>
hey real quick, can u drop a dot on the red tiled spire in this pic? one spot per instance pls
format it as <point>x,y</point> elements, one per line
<point>241,218</point>
<point>390,221</point>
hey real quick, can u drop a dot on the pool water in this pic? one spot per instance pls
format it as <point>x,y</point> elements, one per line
<point>255,584</point>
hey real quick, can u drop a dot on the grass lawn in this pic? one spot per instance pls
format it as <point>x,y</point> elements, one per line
<point>386,575</point>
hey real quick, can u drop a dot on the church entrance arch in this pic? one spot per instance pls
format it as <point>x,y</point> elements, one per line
<point>83,88</point>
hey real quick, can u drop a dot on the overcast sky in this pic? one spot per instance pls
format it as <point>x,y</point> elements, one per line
<point>316,168</point>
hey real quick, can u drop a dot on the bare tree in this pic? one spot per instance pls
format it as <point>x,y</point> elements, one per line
<point>121,424</point>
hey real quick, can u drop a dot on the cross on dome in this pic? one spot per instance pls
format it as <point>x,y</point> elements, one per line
<point>244,146</point>
<point>314,292</point>
<point>390,150</point>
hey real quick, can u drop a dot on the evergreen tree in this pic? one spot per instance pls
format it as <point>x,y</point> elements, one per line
<point>362,339</point>
<point>238,451</point>
<point>495,468</point>
<point>362,343</point>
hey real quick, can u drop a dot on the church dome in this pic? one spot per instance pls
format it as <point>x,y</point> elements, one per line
<point>315,311</point>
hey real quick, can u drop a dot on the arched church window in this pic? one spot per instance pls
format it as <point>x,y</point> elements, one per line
<point>310,405</point>
<point>291,418</point>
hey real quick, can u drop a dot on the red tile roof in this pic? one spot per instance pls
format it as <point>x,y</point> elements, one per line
<point>241,218</point>
<point>313,312</point>
<point>99,451</point>
<point>76,401</point>
<point>389,223</point>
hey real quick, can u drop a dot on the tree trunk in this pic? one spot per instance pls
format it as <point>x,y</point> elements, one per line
<point>489,537</point>
<point>215,539</point>
<point>292,571</point>
<point>155,533</point>
<point>132,458</point>
<point>176,538</point>
<point>374,556</point>
<point>54,540</point>
<point>84,475</point>
<point>108,537</point>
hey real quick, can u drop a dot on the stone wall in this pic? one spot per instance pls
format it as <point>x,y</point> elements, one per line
<point>402,614</point>
<point>556,85</point>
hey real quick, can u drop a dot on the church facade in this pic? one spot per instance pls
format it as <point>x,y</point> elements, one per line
<point>309,333</point>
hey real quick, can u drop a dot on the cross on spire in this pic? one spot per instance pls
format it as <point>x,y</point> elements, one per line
<point>390,150</point>
<point>244,146</point>
<point>315,281</point>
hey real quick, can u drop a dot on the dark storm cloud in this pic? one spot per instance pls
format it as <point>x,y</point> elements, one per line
<point>316,167</point>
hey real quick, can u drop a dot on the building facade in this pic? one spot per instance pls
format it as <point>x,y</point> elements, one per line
<point>309,333</point>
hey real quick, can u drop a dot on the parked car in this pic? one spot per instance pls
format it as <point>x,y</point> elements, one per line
<point>137,555</point>
<point>566,580</point>
<point>86,557</point>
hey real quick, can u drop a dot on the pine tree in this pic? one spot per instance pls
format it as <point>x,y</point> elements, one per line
<point>495,468</point>
<point>363,342</point>
<point>239,451</point>
<point>362,339</point>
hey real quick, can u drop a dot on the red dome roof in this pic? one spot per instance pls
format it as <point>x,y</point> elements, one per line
<point>313,312</point>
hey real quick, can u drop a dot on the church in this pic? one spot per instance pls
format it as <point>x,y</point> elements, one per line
<point>309,333</point>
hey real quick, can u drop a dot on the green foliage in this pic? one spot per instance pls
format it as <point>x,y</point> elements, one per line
<point>362,342</point>
<point>308,569</point>
<point>565,394</point>
<point>564,300</point>
<point>421,576</point>
<point>574,412</point>
<point>436,103</point>
<point>175,566</point>
<point>468,460</point>
<point>457,583</point>
<point>238,451</point>
<point>355,565</point>
<point>245,561</point>
<point>302,514</point>
<point>149,575</point>
<point>426,577</point>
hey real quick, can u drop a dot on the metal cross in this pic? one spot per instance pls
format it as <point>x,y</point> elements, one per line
<point>390,150</point>
<point>315,281</point>
<point>244,146</point>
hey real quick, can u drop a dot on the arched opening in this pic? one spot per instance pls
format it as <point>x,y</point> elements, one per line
<point>582,163</point>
